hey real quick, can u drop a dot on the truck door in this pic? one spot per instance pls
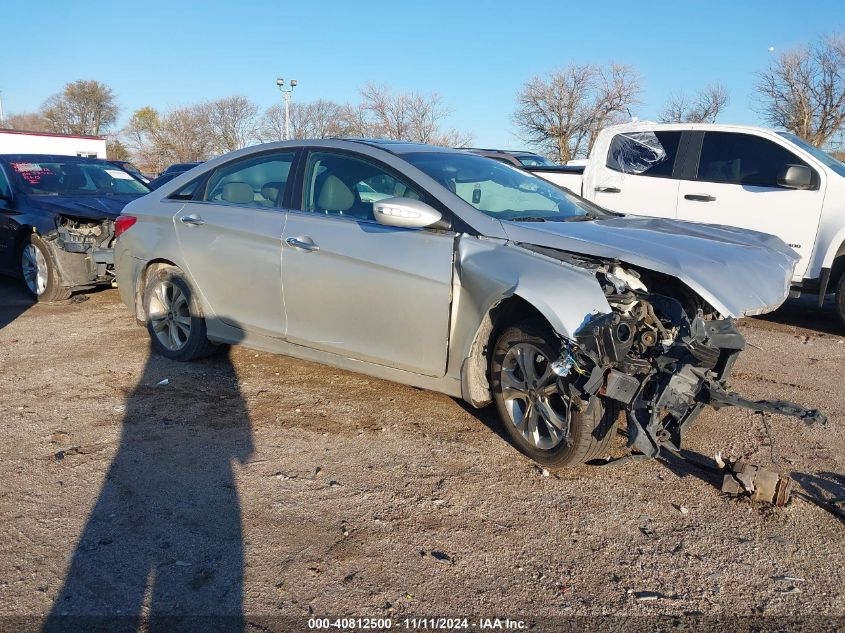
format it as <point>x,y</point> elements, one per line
<point>636,173</point>
<point>736,183</point>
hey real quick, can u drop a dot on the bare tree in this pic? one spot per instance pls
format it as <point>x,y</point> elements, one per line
<point>232,123</point>
<point>409,116</point>
<point>563,113</point>
<point>28,121</point>
<point>705,107</point>
<point>381,113</point>
<point>83,107</point>
<point>355,121</point>
<point>179,136</point>
<point>314,119</point>
<point>803,90</point>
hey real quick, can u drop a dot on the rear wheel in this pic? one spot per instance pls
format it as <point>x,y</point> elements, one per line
<point>174,318</point>
<point>39,271</point>
<point>537,416</point>
<point>840,298</point>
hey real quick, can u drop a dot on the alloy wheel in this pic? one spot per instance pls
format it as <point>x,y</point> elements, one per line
<point>170,315</point>
<point>34,268</point>
<point>537,409</point>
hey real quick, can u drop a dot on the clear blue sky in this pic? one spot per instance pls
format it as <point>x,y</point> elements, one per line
<point>476,54</point>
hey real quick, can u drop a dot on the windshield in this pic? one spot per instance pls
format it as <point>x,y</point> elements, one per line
<point>815,152</point>
<point>533,160</point>
<point>502,191</point>
<point>75,178</point>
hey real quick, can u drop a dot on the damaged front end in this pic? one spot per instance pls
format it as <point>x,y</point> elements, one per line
<point>82,249</point>
<point>662,357</point>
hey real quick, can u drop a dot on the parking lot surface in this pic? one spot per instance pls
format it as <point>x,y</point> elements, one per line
<point>261,485</point>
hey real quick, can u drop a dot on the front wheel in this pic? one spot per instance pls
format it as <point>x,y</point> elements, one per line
<point>840,298</point>
<point>39,271</point>
<point>539,418</point>
<point>174,318</point>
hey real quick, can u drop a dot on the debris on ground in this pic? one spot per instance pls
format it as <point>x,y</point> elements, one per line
<point>164,382</point>
<point>743,479</point>
<point>648,595</point>
<point>441,556</point>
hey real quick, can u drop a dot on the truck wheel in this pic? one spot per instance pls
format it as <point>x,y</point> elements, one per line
<point>534,412</point>
<point>39,271</point>
<point>174,318</point>
<point>840,298</point>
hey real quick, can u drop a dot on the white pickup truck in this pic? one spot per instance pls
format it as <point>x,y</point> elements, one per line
<point>750,177</point>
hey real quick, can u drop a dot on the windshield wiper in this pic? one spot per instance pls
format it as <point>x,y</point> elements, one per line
<point>528,218</point>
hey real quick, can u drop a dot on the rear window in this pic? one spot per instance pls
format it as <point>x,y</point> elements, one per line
<point>644,153</point>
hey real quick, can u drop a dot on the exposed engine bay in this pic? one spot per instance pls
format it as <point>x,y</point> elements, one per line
<point>83,250</point>
<point>662,355</point>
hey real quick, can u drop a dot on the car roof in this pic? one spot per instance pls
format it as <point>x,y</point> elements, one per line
<point>401,147</point>
<point>713,127</point>
<point>513,152</point>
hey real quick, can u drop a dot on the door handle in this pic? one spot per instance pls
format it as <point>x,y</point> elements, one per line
<point>608,189</point>
<point>193,220</point>
<point>302,244</point>
<point>700,197</point>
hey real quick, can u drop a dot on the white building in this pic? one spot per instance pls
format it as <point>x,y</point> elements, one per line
<point>19,142</point>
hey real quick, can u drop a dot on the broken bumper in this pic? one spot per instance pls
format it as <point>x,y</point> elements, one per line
<point>663,367</point>
<point>83,250</point>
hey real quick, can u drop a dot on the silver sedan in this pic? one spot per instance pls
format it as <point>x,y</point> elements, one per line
<point>453,272</point>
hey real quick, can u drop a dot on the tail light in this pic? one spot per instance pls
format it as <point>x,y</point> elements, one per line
<point>122,223</point>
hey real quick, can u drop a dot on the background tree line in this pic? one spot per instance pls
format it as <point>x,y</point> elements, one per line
<point>560,114</point>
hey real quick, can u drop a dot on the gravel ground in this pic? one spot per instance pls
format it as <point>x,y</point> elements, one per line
<point>266,488</point>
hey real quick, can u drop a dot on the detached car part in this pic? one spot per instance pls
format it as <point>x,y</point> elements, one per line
<point>756,483</point>
<point>661,357</point>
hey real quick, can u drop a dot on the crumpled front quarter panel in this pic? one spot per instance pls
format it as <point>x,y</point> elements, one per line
<point>489,271</point>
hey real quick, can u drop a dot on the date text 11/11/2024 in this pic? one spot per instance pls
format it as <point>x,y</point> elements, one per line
<point>448,624</point>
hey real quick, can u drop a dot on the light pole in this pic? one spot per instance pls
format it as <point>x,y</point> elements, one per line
<point>286,93</point>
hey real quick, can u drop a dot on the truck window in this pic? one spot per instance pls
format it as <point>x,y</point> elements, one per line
<point>644,153</point>
<point>742,159</point>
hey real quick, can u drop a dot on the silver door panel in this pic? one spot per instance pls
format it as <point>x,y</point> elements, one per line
<point>373,293</point>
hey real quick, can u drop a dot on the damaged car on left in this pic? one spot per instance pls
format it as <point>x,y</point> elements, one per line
<point>58,221</point>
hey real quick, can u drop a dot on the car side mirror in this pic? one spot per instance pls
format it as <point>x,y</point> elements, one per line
<point>405,213</point>
<point>795,177</point>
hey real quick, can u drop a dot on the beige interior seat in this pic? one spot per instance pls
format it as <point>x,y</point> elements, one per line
<point>272,190</point>
<point>237,193</point>
<point>403,191</point>
<point>335,196</point>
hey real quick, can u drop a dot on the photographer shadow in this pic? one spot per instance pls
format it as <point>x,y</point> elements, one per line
<point>162,549</point>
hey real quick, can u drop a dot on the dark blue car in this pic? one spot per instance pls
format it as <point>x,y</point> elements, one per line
<point>57,220</point>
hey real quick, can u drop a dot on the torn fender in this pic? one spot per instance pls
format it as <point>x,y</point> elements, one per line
<point>491,270</point>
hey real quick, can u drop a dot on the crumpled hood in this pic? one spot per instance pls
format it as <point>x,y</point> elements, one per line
<point>89,207</point>
<point>738,272</point>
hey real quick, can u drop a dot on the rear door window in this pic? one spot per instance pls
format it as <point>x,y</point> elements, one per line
<point>742,159</point>
<point>644,153</point>
<point>258,181</point>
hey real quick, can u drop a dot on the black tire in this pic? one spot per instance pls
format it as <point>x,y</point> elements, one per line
<point>54,290</point>
<point>195,345</point>
<point>840,298</point>
<point>591,430</point>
